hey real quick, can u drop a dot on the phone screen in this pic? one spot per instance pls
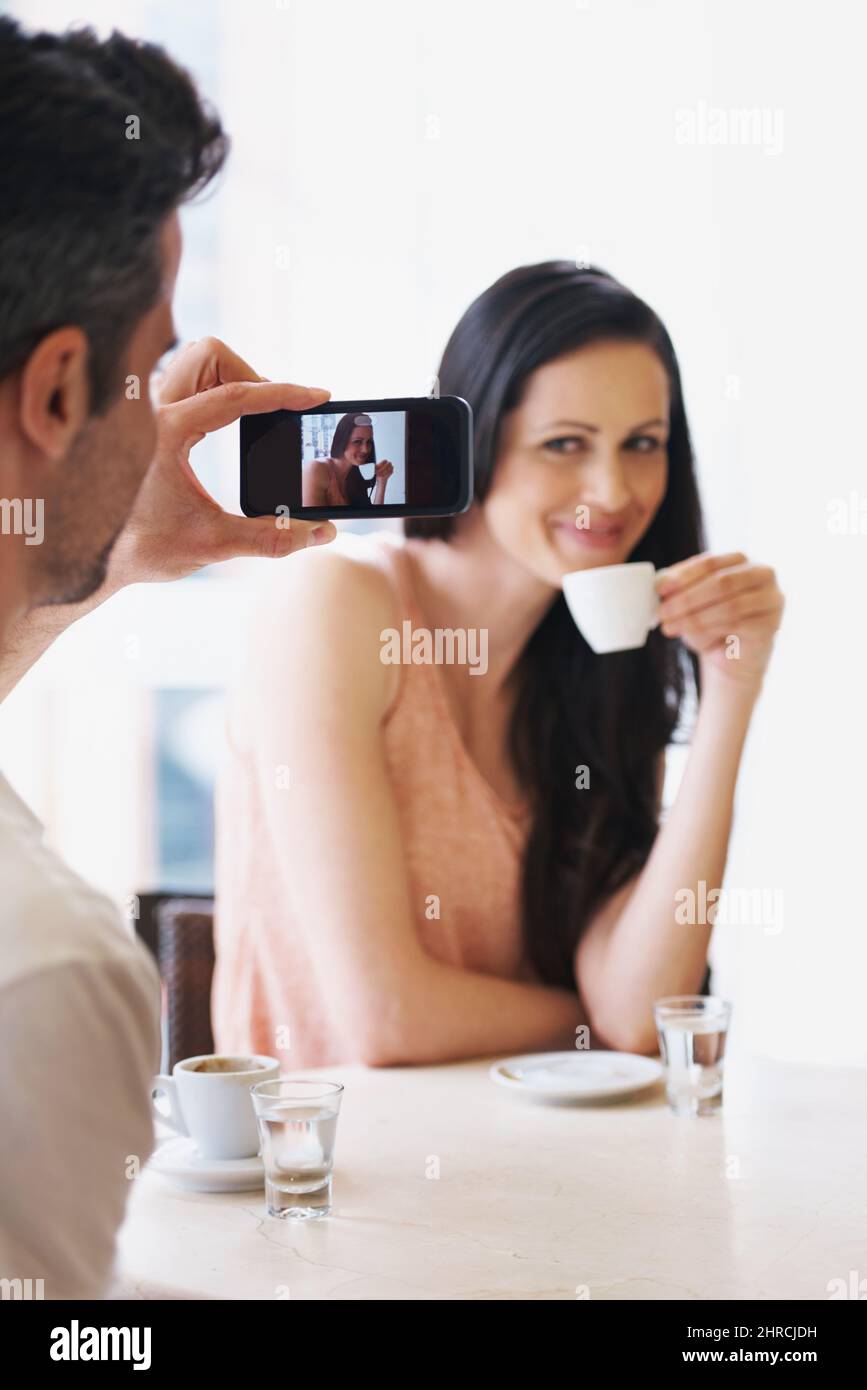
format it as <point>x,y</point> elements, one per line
<point>409,457</point>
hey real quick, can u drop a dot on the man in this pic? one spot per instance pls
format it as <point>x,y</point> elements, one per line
<point>100,142</point>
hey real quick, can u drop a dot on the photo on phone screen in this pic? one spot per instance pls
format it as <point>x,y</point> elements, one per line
<point>405,457</point>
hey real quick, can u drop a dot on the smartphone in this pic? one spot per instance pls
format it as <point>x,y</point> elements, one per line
<point>411,456</point>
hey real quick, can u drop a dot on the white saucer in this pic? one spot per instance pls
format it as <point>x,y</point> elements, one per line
<point>179,1161</point>
<point>576,1075</point>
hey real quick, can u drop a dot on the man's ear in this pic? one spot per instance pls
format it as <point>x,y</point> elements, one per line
<point>54,398</point>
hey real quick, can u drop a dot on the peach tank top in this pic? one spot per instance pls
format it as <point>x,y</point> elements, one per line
<point>461,841</point>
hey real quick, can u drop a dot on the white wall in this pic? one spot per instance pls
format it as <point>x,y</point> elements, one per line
<point>475,135</point>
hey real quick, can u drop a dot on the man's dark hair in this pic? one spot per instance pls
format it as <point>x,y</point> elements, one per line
<point>82,203</point>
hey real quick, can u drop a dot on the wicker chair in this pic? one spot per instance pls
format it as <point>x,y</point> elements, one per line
<point>179,930</point>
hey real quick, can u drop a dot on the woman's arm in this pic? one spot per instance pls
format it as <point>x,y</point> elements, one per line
<point>635,950</point>
<point>384,470</point>
<point>319,697</point>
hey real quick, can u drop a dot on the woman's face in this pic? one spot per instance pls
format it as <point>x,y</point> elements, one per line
<point>360,446</point>
<point>583,463</point>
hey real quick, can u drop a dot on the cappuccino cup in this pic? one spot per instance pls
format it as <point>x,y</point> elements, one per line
<point>209,1100</point>
<point>613,606</point>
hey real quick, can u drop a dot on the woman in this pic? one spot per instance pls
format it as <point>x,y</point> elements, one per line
<point>337,481</point>
<point>409,868</point>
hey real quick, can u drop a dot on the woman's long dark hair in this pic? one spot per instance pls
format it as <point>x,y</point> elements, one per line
<point>614,714</point>
<point>357,487</point>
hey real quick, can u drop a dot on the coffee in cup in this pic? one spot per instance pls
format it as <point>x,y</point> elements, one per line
<point>209,1100</point>
<point>228,1064</point>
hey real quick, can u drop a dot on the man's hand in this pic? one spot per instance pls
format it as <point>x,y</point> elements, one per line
<point>176,527</point>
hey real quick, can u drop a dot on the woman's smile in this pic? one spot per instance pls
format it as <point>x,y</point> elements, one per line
<point>573,535</point>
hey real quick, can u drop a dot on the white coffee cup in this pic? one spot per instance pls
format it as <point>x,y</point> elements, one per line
<point>614,606</point>
<point>209,1100</point>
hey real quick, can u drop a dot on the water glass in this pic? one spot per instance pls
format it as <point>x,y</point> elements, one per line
<point>692,1038</point>
<point>297,1125</point>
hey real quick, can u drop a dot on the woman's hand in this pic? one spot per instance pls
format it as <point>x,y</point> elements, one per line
<point>176,527</point>
<point>382,473</point>
<point>724,609</point>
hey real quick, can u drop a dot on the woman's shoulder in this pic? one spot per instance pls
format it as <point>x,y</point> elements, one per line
<point>329,591</point>
<point>316,636</point>
<point>319,468</point>
<point>369,561</point>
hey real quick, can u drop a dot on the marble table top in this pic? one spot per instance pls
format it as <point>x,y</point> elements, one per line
<point>449,1187</point>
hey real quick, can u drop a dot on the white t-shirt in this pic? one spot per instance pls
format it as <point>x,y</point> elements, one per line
<point>79,1045</point>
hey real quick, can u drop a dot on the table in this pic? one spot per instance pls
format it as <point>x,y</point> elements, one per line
<point>449,1187</point>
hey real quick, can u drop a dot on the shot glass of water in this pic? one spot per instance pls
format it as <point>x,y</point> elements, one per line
<point>297,1125</point>
<point>692,1039</point>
